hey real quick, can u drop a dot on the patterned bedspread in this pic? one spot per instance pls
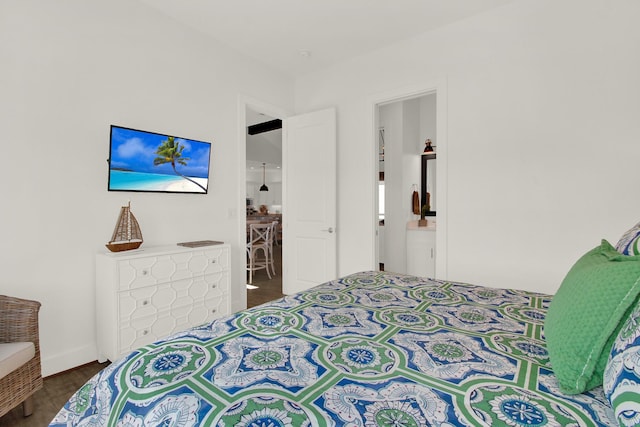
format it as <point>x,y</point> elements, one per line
<point>369,349</point>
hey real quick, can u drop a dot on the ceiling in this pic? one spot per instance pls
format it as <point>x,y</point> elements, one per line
<point>264,147</point>
<point>279,32</point>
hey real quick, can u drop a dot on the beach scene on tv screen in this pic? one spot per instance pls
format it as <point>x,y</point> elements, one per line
<point>146,161</point>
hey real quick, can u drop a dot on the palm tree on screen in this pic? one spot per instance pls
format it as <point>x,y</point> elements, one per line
<point>170,151</point>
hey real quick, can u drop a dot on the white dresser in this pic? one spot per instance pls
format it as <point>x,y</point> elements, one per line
<point>152,292</point>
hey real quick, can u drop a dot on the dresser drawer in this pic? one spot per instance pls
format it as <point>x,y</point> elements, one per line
<point>150,300</point>
<point>152,270</point>
<point>137,332</point>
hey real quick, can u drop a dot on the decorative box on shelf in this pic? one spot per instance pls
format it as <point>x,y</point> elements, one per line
<point>149,293</point>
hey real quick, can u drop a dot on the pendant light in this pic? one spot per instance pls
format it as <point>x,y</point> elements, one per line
<point>264,186</point>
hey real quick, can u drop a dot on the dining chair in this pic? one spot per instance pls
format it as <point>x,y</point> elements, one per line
<point>259,240</point>
<point>273,241</point>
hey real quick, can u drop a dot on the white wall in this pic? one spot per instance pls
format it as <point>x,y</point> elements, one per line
<point>69,70</point>
<point>411,149</point>
<point>542,135</point>
<point>394,192</point>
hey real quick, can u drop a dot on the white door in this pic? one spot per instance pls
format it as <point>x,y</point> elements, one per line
<point>309,198</point>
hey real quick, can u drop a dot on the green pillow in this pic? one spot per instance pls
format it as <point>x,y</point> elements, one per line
<point>586,313</point>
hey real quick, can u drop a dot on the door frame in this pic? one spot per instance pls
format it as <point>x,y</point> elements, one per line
<point>439,87</point>
<point>244,102</point>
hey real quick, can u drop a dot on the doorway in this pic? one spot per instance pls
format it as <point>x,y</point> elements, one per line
<point>402,122</point>
<point>264,205</point>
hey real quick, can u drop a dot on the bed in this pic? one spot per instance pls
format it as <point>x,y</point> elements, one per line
<point>368,349</point>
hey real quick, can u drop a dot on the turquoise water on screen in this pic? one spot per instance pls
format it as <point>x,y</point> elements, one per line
<point>124,180</point>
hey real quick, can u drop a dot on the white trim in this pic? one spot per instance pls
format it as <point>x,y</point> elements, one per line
<point>439,87</point>
<point>68,359</point>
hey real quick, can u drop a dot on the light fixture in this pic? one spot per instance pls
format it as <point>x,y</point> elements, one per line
<point>264,186</point>
<point>428,149</point>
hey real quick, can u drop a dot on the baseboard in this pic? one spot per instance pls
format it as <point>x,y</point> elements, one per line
<point>68,360</point>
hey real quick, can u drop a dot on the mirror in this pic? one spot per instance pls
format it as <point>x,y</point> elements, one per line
<point>428,183</point>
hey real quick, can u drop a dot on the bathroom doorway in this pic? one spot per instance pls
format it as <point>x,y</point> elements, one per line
<point>403,123</point>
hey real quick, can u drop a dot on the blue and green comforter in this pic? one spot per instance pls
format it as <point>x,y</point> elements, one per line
<point>369,349</point>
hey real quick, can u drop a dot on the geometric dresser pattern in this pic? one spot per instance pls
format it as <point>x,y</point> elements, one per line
<point>145,295</point>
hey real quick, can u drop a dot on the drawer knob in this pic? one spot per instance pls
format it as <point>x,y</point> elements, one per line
<point>145,302</point>
<point>145,332</point>
<point>214,286</point>
<point>145,272</point>
<point>213,311</point>
<point>214,261</point>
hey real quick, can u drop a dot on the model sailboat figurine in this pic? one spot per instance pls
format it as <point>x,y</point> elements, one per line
<point>127,234</point>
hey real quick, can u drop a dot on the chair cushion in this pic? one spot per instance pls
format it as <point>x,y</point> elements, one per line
<point>13,355</point>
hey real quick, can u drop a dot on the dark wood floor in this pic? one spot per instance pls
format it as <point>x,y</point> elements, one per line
<point>268,289</point>
<point>59,388</point>
<point>55,393</point>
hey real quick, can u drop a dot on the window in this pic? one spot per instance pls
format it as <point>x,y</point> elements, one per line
<point>381,201</point>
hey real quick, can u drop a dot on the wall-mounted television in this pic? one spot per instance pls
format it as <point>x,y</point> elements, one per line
<point>154,162</point>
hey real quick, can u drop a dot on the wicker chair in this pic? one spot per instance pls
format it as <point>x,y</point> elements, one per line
<point>19,323</point>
